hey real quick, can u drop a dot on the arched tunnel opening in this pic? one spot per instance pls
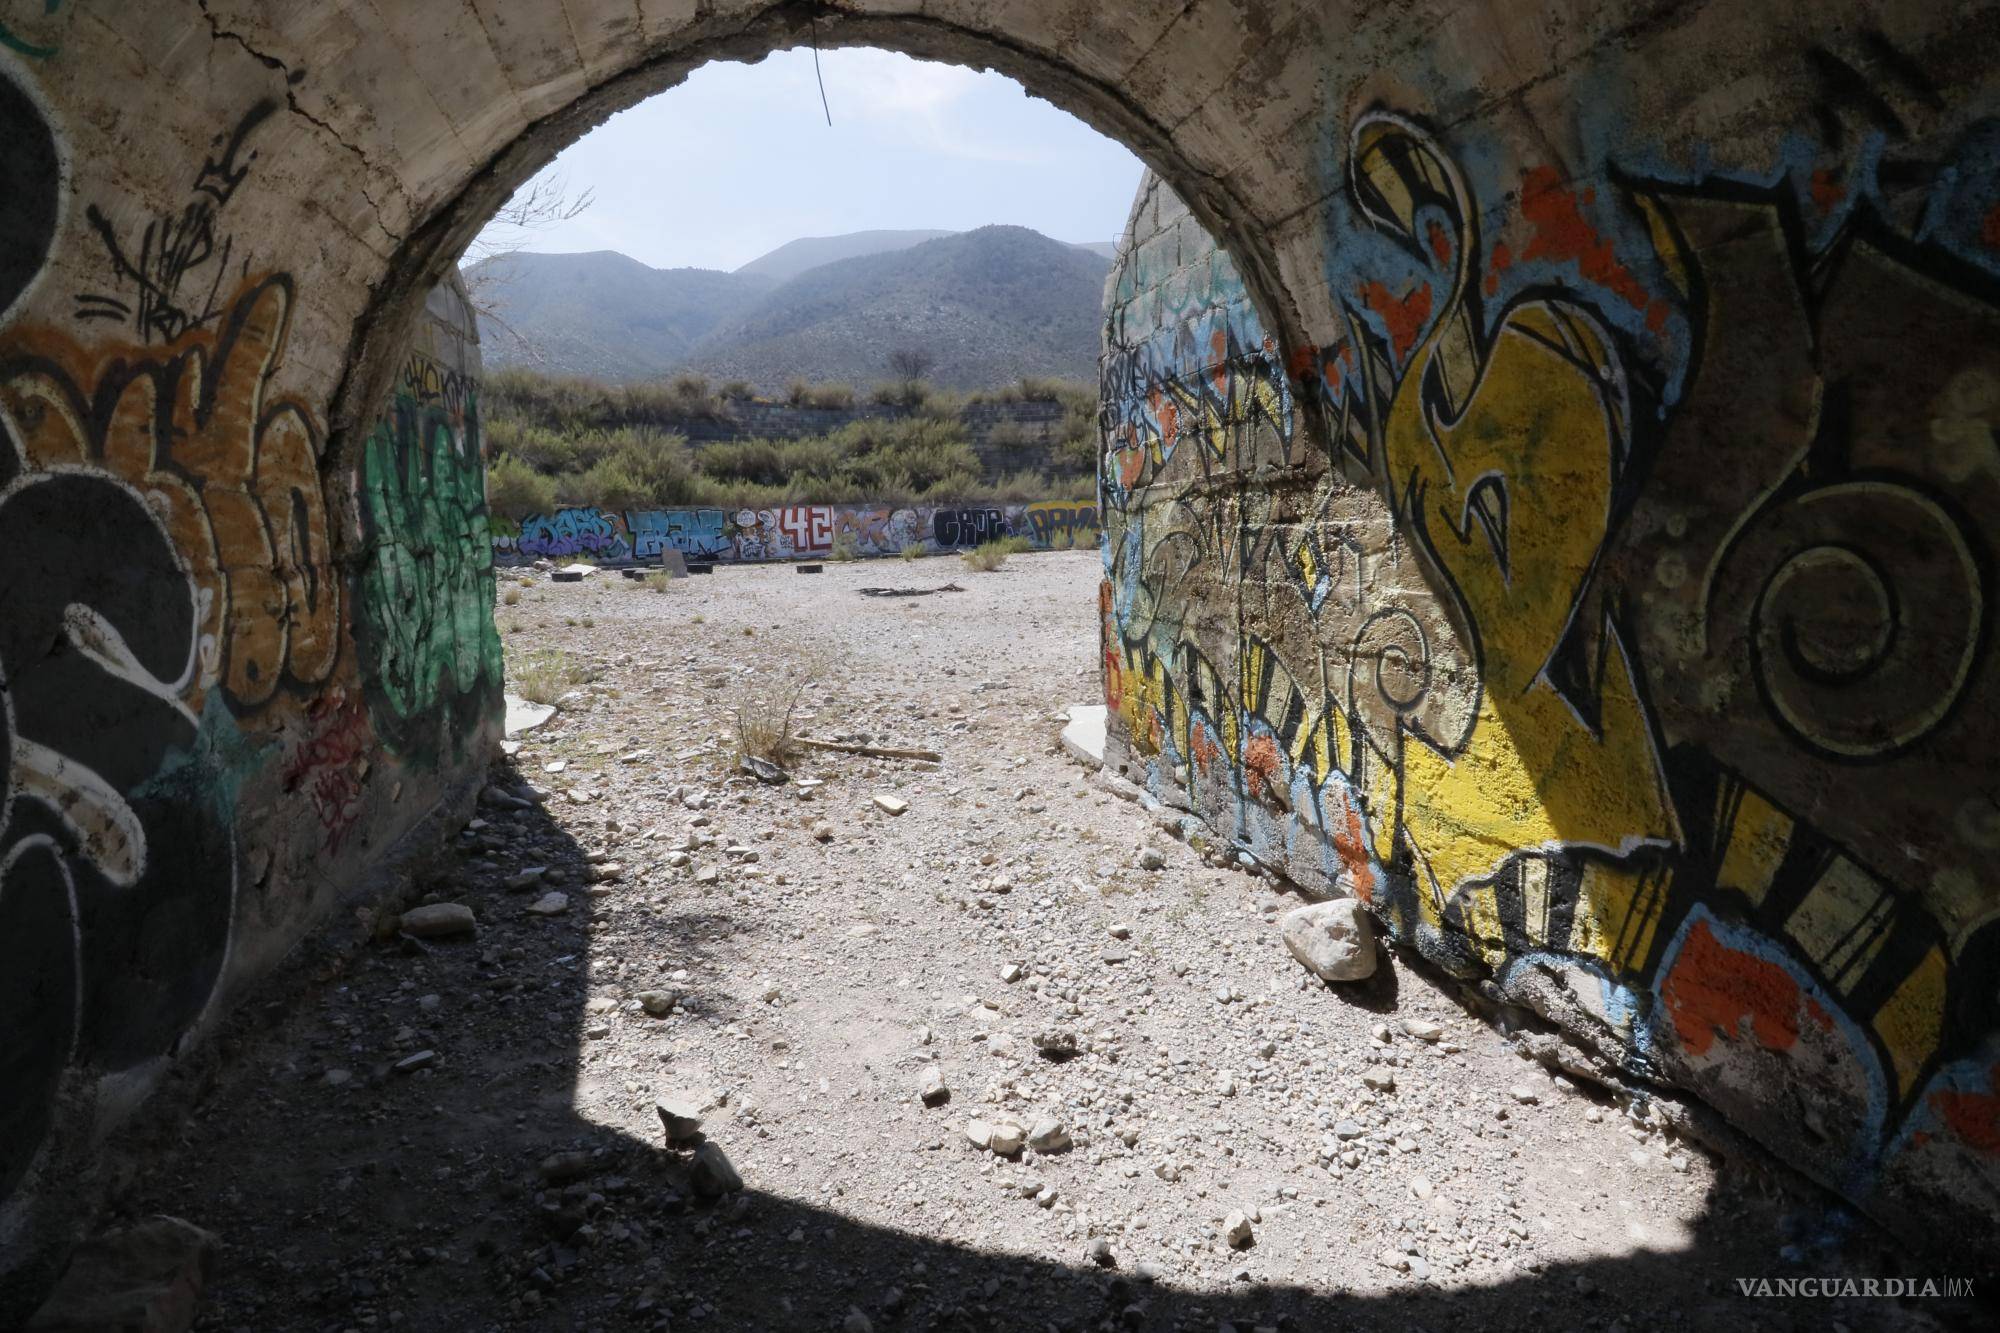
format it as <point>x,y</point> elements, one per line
<point>1507,530</point>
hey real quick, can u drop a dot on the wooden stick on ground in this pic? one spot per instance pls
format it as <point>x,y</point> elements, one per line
<point>873,751</point>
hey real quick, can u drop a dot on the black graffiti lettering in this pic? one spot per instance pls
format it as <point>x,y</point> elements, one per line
<point>169,283</point>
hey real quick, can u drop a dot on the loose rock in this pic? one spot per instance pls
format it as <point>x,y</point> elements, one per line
<point>439,919</point>
<point>1335,940</point>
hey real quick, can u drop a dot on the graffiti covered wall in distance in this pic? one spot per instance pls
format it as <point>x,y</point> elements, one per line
<point>794,531</point>
<point>1624,641</point>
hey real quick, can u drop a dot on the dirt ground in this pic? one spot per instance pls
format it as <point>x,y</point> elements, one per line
<point>812,957</point>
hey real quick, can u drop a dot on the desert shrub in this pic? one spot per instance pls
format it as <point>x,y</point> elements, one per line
<point>659,581</point>
<point>764,713</point>
<point>914,551</point>
<point>846,546</point>
<point>511,597</point>
<point>515,490</point>
<point>737,389</point>
<point>901,393</point>
<point>803,393</point>
<point>546,676</point>
<point>986,557</point>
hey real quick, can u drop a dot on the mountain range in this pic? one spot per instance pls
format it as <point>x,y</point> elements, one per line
<point>989,306</point>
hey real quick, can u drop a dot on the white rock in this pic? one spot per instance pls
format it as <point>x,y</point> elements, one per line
<point>680,1113</point>
<point>891,805</point>
<point>1523,1094</point>
<point>1049,1136</point>
<point>549,904</point>
<point>1007,1138</point>
<point>932,1090</point>
<point>979,1134</point>
<point>1422,1029</point>
<point>1236,1230</point>
<point>1335,940</point>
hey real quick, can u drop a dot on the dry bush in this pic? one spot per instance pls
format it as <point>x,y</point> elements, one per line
<point>914,551</point>
<point>659,582</point>
<point>765,713</point>
<point>845,547</point>
<point>546,676</point>
<point>986,557</point>
<point>511,597</point>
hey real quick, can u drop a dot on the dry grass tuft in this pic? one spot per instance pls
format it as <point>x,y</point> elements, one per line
<point>765,713</point>
<point>546,676</point>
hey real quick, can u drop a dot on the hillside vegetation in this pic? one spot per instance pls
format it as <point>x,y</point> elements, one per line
<point>554,441</point>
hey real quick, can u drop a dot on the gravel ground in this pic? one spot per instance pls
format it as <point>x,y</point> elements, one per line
<point>461,1132</point>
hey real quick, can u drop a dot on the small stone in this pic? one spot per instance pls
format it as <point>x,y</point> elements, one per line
<point>932,1090</point>
<point>979,1134</point>
<point>1049,1136</point>
<point>1225,1084</point>
<point>597,1031</point>
<point>1395,1259</point>
<point>1167,1171</point>
<point>1236,1230</point>
<point>680,1114</point>
<point>711,1173</point>
<point>438,919</point>
<point>1335,940</point>
<point>891,805</point>
<point>1523,1094</point>
<point>1011,973</point>
<point>1152,859</point>
<point>1584,1286</point>
<point>708,875</point>
<point>335,1078</point>
<point>1421,1187</point>
<point>549,904</point>
<point>1007,1138</point>
<point>1382,1080</point>
<point>559,1168</point>
<point>606,873</point>
<point>822,831</point>
<point>1046,1197</point>
<point>410,1064</point>
<point>1422,1029</point>
<point>1055,1043</point>
<point>1348,1129</point>
<point>1120,931</point>
<point>430,1004</point>
<point>522,880</point>
<point>1100,1253</point>
<point>658,1003</point>
<point>856,1322</point>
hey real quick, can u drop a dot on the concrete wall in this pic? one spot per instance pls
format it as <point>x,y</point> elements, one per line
<point>214,722</point>
<point>1593,609</point>
<point>791,531</point>
<point>1665,329</point>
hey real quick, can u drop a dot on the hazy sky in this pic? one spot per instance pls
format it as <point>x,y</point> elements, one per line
<point>739,159</point>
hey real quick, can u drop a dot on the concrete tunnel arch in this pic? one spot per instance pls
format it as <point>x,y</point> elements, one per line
<point>1746,807</point>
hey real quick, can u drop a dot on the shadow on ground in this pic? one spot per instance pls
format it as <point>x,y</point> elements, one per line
<point>472,1195</point>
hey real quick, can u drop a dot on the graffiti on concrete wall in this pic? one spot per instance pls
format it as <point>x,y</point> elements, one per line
<point>795,531</point>
<point>179,700</point>
<point>1521,663</point>
<point>424,621</point>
